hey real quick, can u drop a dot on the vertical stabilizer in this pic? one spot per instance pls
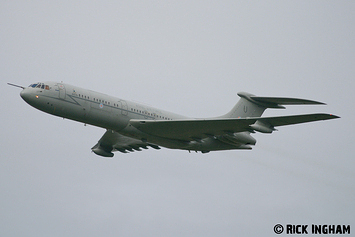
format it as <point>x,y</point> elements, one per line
<point>245,107</point>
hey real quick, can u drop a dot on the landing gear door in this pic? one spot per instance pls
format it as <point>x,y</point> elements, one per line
<point>62,92</point>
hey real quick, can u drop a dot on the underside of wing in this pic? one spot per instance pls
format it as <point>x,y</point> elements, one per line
<point>112,141</point>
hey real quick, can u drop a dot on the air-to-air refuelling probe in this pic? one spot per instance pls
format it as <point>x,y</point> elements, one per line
<point>131,126</point>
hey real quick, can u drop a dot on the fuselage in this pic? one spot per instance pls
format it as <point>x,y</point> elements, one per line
<point>90,107</point>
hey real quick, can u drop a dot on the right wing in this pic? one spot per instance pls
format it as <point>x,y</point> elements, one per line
<point>192,129</point>
<point>113,141</point>
<point>295,119</point>
<point>197,129</point>
<point>267,124</point>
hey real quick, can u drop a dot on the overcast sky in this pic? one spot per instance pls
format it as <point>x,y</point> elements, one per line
<point>191,58</point>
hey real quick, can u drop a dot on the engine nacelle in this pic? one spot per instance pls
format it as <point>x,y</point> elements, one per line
<point>262,127</point>
<point>101,152</point>
<point>241,137</point>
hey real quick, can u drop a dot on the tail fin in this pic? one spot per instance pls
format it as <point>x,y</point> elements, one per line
<point>250,105</point>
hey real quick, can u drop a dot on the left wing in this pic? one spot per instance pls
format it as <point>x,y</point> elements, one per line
<point>196,129</point>
<point>113,141</point>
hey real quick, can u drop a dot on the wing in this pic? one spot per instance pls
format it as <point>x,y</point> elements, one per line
<point>267,124</point>
<point>113,141</point>
<point>196,129</point>
<point>191,129</point>
<point>295,119</point>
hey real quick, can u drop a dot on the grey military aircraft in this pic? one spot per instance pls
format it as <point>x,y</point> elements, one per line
<point>132,127</point>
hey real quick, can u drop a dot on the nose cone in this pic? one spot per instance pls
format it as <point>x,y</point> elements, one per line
<point>26,95</point>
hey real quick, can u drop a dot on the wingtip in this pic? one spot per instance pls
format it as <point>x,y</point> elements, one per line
<point>334,116</point>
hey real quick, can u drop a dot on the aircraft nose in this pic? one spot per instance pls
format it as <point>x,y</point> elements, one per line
<point>25,95</point>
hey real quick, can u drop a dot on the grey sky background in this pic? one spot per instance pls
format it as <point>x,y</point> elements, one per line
<point>188,57</point>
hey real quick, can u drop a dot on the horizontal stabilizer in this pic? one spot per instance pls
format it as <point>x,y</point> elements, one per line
<point>286,101</point>
<point>277,102</point>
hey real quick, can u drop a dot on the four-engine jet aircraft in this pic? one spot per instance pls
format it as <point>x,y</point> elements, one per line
<point>131,126</point>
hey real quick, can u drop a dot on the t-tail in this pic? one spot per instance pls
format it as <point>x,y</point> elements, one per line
<point>250,105</point>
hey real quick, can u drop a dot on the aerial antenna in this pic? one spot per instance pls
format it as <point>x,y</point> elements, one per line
<point>16,85</point>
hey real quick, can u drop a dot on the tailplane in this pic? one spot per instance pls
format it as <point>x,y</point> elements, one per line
<point>250,105</point>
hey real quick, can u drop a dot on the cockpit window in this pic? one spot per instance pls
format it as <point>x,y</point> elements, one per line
<point>40,85</point>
